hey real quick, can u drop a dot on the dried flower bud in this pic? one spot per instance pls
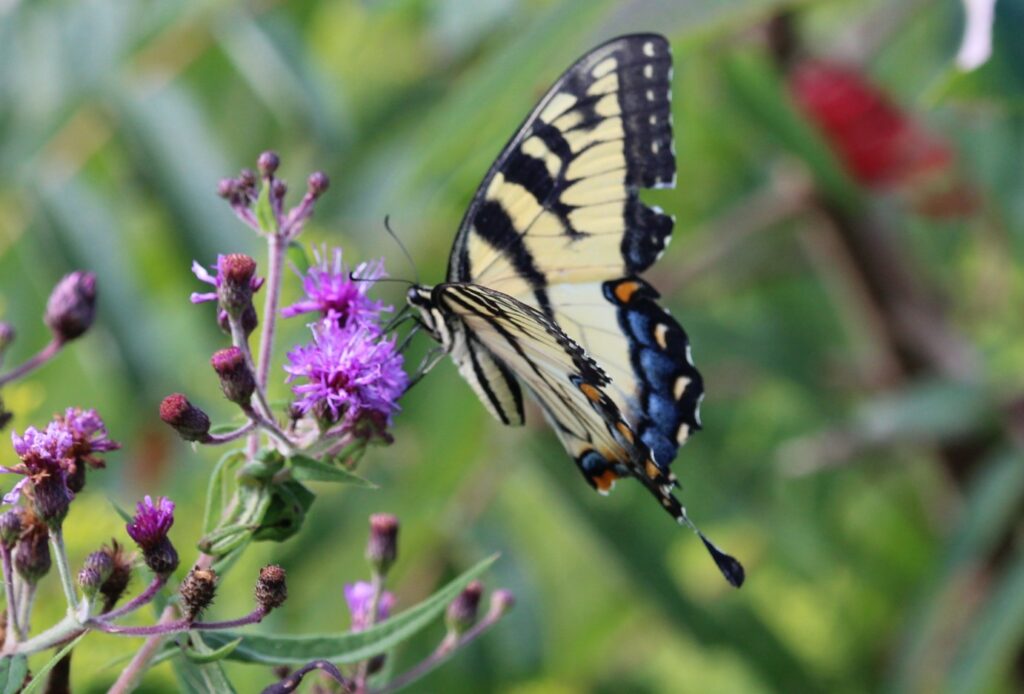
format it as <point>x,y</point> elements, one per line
<point>271,589</point>
<point>149,529</point>
<point>236,379</point>
<point>268,163</point>
<point>247,180</point>
<point>197,592</point>
<point>278,189</point>
<point>120,575</point>
<point>501,602</point>
<point>317,184</point>
<point>96,570</point>
<point>191,423</point>
<point>72,306</point>
<point>382,549</point>
<point>238,282</point>
<point>10,527</point>
<point>462,611</point>
<point>7,336</point>
<point>32,554</point>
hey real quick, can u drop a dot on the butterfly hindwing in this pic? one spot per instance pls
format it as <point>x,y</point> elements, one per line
<point>561,203</point>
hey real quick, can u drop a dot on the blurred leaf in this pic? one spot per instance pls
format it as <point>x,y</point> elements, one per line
<point>265,211</point>
<point>217,493</point>
<point>289,503</point>
<point>39,677</point>
<point>201,678</point>
<point>212,656</point>
<point>348,647</point>
<point>306,468</point>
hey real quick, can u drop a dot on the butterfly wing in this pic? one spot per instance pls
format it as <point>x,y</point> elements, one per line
<point>572,390</point>
<point>558,223</point>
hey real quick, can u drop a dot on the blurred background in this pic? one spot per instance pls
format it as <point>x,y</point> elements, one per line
<point>847,261</point>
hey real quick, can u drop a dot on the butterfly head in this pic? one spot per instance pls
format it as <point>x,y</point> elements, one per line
<point>422,299</point>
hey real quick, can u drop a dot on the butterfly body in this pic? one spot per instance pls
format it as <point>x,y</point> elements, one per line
<point>544,286</point>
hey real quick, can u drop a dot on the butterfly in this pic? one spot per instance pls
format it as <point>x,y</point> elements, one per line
<point>544,286</point>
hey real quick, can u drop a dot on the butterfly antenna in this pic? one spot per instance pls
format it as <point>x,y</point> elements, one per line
<point>405,251</point>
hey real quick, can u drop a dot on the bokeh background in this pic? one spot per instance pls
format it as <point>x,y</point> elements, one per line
<point>853,297</point>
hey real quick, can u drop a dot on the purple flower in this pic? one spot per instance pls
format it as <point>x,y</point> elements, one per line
<point>232,268</point>
<point>88,435</point>
<point>359,596</point>
<point>44,454</point>
<point>332,292</point>
<point>152,521</point>
<point>350,372</point>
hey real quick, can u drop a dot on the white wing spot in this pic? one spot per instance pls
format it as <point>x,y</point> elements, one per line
<point>650,95</point>
<point>649,49</point>
<point>649,71</point>
<point>653,120</point>
<point>604,67</point>
<point>654,147</point>
<point>696,410</point>
<point>680,386</point>
<point>683,433</point>
<point>689,355</point>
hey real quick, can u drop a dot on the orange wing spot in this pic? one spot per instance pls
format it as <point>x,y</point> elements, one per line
<point>652,470</point>
<point>605,481</point>
<point>592,393</point>
<point>625,291</point>
<point>626,432</point>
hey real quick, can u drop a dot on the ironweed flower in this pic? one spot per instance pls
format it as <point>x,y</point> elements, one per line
<point>88,437</point>
<point>95,571</point>
<point>271,589</point>
<point>197,592</point>
<point>32,558</point>
<point>45,460</point>
<point>382,548</point>
<point>71,307</point>
<point>359,596</point>
<point>236,378</point>
<point>10,527</point>
<point>462,611</point>
<point>234,284</point>
<point>191,423</point>
<point>336,294</point>
<point>120,574</point>
<point>350,373</point>
<point>149,529</point>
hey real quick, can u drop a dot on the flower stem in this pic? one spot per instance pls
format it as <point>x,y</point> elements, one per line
<point>14,632</point>
<point>138,601</point>
<point>41,357</point>
<point>25,602</point>
<point>363,671</point>
<point>445,649</point>
<point>60,556</point>
<point>215,440</point>
<point>174,626</point>
<point>276,245</point>
<point>133,671</point>
<point>271,428</point>
<point>65,630</point>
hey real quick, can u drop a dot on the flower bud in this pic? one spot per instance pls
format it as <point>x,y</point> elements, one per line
<point>268,163</point>
<point>72,306</point>
<point>238,281</point>
<point>271,589</point>
<point>96,570</point>
<point>51,498</point>
<point>197,592</point>
<point>227,188</point>
<point>382,549</point>
<point>10,528</point>
<point>149,529</point>
<point>317,184</point>
<point>7,336</point>
<point>32,554</point>
<point>191,423</point>
<point>462,611</point>
<point>247,180</point>
<point>278,189</point>
<point>250,320</point>
<point>501,602</point>
<point>120,575</point>
<point>236,379</point>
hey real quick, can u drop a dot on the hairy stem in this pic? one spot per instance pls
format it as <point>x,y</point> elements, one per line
<point>14,632</point>
<point>276,245</point>
<point>363,671</point>
<point>138,601</point>
<point>216,440</point>
<point>60,557</point>
<point>41,357</point>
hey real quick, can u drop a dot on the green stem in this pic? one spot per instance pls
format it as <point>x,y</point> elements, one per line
<point>14,632</point>
<point>60,556</point>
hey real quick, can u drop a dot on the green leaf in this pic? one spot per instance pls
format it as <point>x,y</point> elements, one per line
<point>14,668</point>
<point>214,655</point>
<point>297,256</point>
<point>286,512</point>
<point>125,516</point>
<point>306,468</point>
<point>265,212</point>
<point>39,677</point>
<point>196,678</point>
<point>216,498</point>
<point>346,647</point>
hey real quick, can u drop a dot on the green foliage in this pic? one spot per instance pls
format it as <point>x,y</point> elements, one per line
<point>873,564</point>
